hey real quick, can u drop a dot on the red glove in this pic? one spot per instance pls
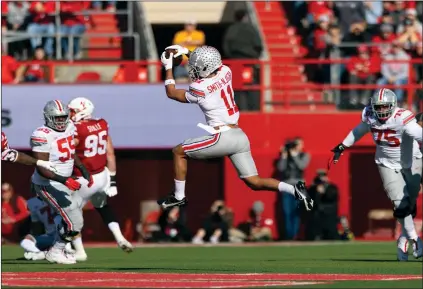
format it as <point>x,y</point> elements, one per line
<point>72,184</point>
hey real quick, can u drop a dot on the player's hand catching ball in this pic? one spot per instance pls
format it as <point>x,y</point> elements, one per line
<point>167,62</point>
<point>180,50</point>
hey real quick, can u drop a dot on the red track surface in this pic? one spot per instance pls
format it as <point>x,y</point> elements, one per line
<point>171,280</point>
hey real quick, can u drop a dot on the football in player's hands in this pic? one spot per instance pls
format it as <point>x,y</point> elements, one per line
<point>176,60</point>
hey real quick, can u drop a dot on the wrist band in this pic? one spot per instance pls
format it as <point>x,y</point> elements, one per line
<point>169,81</point>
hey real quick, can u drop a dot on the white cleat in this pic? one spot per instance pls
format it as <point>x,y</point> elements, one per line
<point>402,248</point>
<point>417,248</point>
<point>55,255</point>
<point>81,256</point>
<point>125,246</point>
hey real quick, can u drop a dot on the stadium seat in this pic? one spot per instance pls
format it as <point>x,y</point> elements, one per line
<point>88,76</point>
<point>381,215</point>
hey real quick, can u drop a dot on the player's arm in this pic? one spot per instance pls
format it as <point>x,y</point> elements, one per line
<point>85,173</point>
<point>14,156</point>
<point>171,91</point>
<point>414,130</point>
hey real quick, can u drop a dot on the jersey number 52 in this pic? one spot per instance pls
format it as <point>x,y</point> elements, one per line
<point>96,144</point>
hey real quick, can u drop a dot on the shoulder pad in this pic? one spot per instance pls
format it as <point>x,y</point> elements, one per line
<point>40,136</point>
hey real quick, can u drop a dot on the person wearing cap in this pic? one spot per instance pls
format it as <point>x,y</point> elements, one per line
<point>410,20</point>
<point>357,34</point>
<point>323,223</point>
<point>382,41</point>
<point>190,38</point>
<point>362,69</point>
<point>256,227</point>
<point>396,73</point>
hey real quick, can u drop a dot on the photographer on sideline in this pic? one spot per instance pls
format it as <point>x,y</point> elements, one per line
<point>290,167</point>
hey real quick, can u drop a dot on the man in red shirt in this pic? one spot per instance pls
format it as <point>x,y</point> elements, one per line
<point>73,23</point>
<point>13,212</point>
<point>362,69</point>
<point>42,23</point>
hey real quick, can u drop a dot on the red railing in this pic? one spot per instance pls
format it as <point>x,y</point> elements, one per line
<point>242,75</point>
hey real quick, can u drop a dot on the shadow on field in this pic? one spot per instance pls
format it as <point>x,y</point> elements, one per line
<point>364,260</point>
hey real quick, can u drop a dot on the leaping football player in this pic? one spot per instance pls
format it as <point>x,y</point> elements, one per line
<point>211,89</point>
<point>398,158</point>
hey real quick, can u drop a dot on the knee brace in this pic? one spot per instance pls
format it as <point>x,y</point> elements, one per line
<point>64,233</point>
<point>401,213</point>
<point>106,214</point>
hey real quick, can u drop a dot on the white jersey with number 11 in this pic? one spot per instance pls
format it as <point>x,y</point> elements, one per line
<point>215,97</point>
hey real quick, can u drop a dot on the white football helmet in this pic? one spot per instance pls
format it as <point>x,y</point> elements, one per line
<point>56,115</point>
<point>203,61</point>
<point>81,108</point>
<point>384,103</point>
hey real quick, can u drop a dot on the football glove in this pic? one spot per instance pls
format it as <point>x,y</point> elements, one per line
<point>112,190</point>
<point>167,62</point>
<point>180,50</point>
<point>72,184</point>
<point>337,153</point>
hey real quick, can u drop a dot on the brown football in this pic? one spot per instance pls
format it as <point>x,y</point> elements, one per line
<point>176,61</point>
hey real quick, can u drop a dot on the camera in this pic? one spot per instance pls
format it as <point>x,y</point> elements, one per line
<point>289,145</point>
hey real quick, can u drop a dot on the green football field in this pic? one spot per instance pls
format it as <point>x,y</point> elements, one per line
<point>292,265</point>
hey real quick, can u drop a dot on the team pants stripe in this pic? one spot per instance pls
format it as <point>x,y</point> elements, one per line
<point>201,145</point>
<point>62,213</point>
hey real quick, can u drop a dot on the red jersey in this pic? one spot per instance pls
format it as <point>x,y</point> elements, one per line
<point>4,143</point>
<point>92,147</point>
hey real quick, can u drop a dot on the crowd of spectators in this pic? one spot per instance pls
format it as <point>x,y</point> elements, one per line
<point>38,20</point>
<point>368,33</point>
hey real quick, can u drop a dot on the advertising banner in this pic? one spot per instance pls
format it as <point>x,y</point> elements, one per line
<point>139,116</point>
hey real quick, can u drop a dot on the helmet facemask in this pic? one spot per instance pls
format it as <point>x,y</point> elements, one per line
<point>57,122</point>
<point>383,111</point>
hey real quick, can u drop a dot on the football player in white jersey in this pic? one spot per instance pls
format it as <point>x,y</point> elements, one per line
<point>54,142</point>
<point>44,221</point>
<point>398,158</point>
<point>211,89</point>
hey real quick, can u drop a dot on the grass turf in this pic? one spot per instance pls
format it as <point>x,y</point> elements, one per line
<point>336,258</point>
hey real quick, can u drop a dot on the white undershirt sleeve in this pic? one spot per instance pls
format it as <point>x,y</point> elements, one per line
<point>414,130</point>
<point>356,134</point>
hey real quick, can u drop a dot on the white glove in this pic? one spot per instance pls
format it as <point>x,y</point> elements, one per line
<point>167,62</point>
<point>111,192</point>
<point>47,165</point>
<point>180,50</point>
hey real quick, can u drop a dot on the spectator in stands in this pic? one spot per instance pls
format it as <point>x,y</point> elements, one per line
<point>396,73</point>
<point>410,20</point>
<point>172,227</point>
<point>362,70</point>
<point>242,41</point>
<point>11,71</point>
<point>42,24</point>
<point>255,228</point>
<point>322,223</point>
<point>410,38</point>
<point>215,228</point>
<point>382,42</point>
<point>373,11</point>
<point>190,38</point>
<point>73,23</point>
<point>356,35</point>
<point>36,72</point>
<point>290,169</point>
<point>348,12</point>
<point>397,12</point>
<point>320,36</point>
<point>16,21</point>
<point>14,213</point>
<point>387,19</point>
<point>111,5</point>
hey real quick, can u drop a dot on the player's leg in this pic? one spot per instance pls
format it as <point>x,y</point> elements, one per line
<point>396,189</point>
<point>99,201</point>
<point>66,204</point>
<point>413,178</point>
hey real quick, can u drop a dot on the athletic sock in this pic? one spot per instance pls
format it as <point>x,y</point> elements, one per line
<point>179,190</point>
<point>286,188</point>
<point>408,225</point>
<point>29,246</point>
<point>77,244</point>
<point>115,229</point>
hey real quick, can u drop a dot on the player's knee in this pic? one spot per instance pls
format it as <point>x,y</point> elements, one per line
<point>178,151</point>
<point>402,211</point>
<point>253,183</point>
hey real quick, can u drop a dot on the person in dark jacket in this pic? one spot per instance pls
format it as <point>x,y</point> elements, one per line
<point>322,224</point>
<point>242,41</point>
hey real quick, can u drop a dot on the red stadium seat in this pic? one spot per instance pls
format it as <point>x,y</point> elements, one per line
<point>88,76</point>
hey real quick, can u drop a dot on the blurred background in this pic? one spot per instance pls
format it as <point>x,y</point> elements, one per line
<point>302,73</point>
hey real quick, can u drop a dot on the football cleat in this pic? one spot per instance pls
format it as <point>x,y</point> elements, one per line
<point>170,201</point>
<point>60,256</point>
<point>417,248</point>
<point>302,195</point>
<point>35,256</point>
<point>80,256</point>
<point>125,246</point>
<point>402,249</point>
